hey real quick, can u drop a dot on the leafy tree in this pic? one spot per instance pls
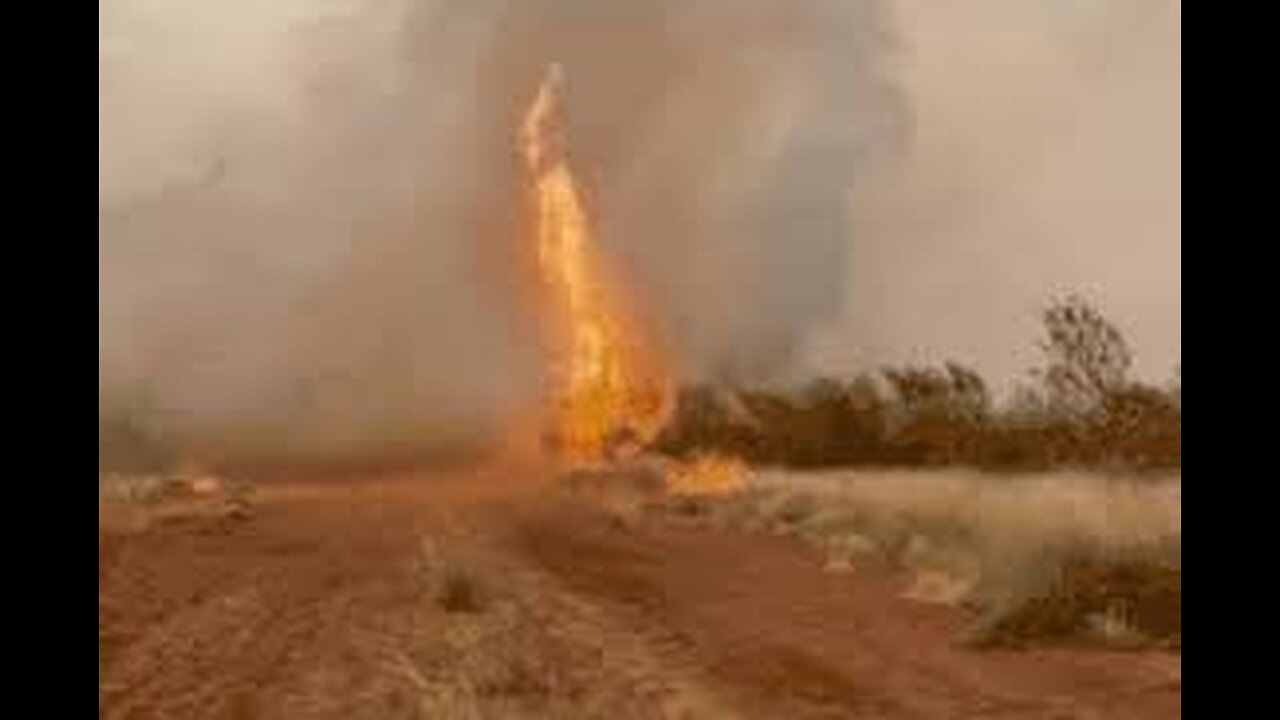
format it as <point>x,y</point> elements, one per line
<point>1084,410</point>
<point>1086,358</point>
<point>940,412</point>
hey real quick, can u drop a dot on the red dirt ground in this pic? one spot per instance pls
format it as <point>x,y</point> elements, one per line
<point>293,612</point>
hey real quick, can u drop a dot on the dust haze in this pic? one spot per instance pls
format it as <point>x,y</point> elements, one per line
<point>1045,158</point>
<point>309,212</point>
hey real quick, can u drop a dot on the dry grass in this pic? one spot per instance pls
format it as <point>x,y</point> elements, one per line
<point>1131,605</point>
<point>994,542</point>
<point>126,488</point>
<point>128,502</point>
<point>499,641</point>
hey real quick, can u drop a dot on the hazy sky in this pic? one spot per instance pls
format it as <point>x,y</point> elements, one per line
<point>309,210</point>
<point>1045,157</point>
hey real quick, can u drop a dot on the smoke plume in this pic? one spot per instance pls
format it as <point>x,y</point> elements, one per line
<point>1044,158</point>
<point>309,236</point>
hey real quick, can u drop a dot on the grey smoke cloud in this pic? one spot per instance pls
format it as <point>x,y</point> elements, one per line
<point>1045,157</point>
<point>309,235</point>
<point>309,231</point>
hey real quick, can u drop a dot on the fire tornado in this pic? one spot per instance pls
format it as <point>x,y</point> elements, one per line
<point>606,379</point>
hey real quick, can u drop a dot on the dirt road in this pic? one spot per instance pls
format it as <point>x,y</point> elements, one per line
<point>326,602</point>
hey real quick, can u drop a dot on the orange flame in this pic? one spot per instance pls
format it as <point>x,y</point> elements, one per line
<point>606,381</point>
<point>709,474</point>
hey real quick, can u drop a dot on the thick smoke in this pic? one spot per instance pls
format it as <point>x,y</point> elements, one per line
<point>308,211</point>
<point>1045,158</point>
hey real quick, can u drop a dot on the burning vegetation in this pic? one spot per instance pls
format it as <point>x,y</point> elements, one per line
<point>708,474</point>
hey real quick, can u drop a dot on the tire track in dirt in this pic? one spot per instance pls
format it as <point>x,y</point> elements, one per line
<point>315,607</point>
<point>213,619</point>
<point>760,617</point>
<point>319,607</point>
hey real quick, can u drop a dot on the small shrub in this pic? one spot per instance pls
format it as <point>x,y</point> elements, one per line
<point>1122,604</point>
<point>461,592</point>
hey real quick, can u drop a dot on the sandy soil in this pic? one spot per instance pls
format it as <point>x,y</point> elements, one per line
<point>324,602</point>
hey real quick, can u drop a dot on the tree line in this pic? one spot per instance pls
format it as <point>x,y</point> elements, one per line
<point>1079,408</point>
